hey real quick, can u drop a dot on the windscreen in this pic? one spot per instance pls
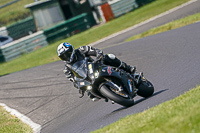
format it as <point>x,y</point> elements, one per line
<point>80,69</point>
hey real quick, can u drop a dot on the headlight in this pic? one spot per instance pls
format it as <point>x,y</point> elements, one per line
<point>89,88</point>
<point>96,74</point>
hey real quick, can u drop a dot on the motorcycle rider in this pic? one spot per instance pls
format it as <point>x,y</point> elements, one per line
<point>69,55</point>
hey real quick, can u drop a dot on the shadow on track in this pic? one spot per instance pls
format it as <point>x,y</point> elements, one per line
<point>140,100</point>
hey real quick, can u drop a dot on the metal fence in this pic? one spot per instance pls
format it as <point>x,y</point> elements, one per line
<point>22,46</point>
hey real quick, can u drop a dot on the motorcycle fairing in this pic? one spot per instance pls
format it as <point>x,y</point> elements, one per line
<point>84,72</point>
<point>80,69</point>
<point>109,72</point>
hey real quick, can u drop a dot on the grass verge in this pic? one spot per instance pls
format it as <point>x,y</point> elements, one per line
<point>180,115</point>
<point>11,124</point>
<point>169,26</point>
<point>48,54</point>
<point>14,12</point>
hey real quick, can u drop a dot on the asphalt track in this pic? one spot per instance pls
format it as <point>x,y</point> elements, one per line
<point>170,60</point>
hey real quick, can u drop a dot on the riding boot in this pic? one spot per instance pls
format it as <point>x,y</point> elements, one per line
<point>128,68</point>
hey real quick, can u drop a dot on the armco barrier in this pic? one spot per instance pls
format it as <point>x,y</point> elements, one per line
<point>120,7</point>
<point>22,46</point>
<point>70,27</point>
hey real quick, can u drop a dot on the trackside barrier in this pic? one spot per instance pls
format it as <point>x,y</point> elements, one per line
<point>22,46</point>
<point>22,28</point>
<point>106,11</point>
<point>70,27</point>
<point>120,7</point>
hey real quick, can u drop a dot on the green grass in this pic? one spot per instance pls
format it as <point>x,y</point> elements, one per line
<point>48,54</point>
<point>11,124</point>
<point>180,115</point>
<point>2,2</point>
<point>169,26</point>
<point>14,12</point>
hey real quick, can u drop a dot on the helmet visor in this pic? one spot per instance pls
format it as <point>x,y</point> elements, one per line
<point>66,56</point>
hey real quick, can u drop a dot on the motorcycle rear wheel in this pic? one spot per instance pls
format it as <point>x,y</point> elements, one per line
<point>145,89</point>
<point>116,98</point>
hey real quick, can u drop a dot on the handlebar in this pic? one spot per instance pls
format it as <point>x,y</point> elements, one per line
<point>95,61</point>
<point>98,60</point>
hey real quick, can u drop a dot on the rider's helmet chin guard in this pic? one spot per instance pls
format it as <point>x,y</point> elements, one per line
<point>66,52</point>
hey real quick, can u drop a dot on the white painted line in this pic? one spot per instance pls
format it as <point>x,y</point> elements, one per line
<point>36,127</point>
<point>143,23</point>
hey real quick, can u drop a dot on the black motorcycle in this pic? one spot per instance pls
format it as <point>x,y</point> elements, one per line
<point>110,83</point>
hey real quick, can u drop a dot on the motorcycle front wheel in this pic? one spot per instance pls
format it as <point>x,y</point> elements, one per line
<point>106,92</point>
<point>145,89</point>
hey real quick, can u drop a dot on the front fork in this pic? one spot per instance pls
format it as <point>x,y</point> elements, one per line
<point>138,77</point>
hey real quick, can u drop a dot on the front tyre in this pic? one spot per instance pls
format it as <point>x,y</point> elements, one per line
<point>114,97</point>
<point>145,89</point>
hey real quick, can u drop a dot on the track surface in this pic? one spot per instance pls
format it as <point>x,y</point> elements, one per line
<point>170,60</point>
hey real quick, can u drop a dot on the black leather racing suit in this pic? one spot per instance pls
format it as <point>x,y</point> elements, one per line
<point>87,51</point>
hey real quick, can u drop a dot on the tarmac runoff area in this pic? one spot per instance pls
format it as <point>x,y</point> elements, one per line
<point>36,127</point>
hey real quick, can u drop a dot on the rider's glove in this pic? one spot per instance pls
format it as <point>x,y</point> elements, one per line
<point>99,54</point>
<point>99,57</point>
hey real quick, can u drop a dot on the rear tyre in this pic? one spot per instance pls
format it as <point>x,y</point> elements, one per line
<point>145,89</point>
<point>114,97</point>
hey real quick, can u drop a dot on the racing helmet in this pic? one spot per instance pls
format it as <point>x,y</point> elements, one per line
<point>66,52</point>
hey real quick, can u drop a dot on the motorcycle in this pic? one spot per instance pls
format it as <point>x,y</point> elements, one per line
<point>110,83</point>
